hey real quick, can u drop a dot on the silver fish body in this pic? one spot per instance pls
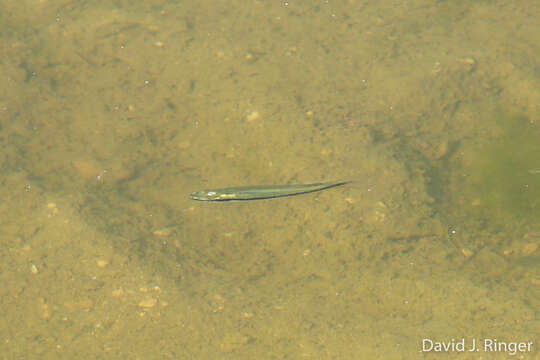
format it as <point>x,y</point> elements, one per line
<point>261,192</point>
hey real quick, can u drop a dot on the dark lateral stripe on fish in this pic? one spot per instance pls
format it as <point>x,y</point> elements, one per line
<point>261,192</point>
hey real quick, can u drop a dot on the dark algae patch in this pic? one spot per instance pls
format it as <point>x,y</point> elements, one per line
<point>502,177</point>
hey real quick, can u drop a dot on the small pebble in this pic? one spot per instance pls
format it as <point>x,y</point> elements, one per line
<point>52,208</point>
<point>468,60</point>
<point>529,249</point>
<point>254,115</point>
<point>326,152</point>
<point>441,150</point>
<point>87,169</point>
<point>166,231</point>
<point>148,303</point>
<point>467,253</point>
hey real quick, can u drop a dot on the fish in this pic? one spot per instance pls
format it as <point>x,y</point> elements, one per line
<point>260,192</point>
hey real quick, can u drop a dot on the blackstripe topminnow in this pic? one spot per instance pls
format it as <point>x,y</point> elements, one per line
<point>261,192</point>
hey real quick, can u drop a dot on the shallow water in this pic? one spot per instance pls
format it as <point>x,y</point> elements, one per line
<point>113,113</point>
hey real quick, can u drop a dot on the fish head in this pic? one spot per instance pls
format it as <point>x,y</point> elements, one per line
<point>204,195</point>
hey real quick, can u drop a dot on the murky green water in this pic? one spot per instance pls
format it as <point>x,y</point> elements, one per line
<point>502,173</point>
